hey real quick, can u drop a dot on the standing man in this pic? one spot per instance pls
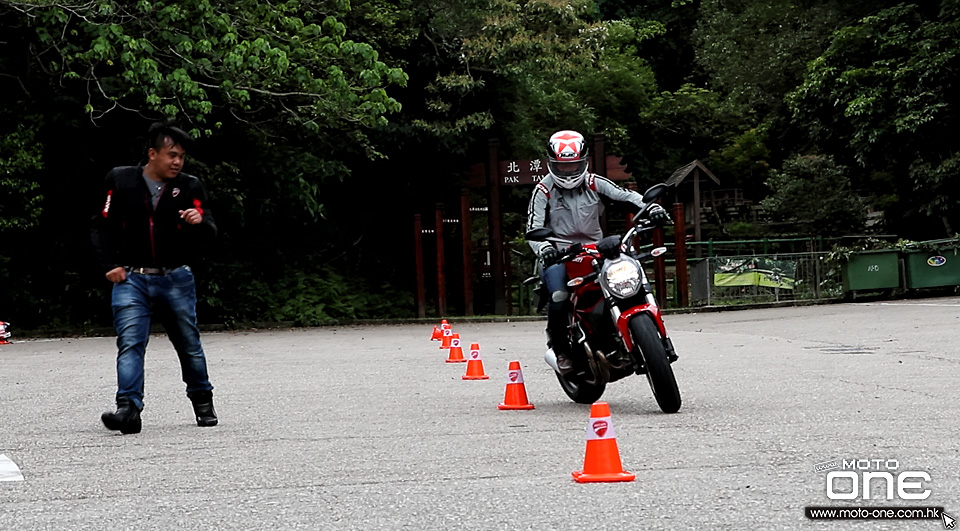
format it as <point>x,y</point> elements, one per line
<point>152,225</point>
<point>568,201</point>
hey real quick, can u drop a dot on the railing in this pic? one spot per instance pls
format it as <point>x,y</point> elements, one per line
<point>750,279</point>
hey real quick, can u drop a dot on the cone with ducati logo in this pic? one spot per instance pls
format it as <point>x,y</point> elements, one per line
<point>4,333</point>
<point>456,352</point>
<point>475,364</point>
<point>447,336</point>
<point>515,397</point>
<point>602,460</point>
<point>438,330</point>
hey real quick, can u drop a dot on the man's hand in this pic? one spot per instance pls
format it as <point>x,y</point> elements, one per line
<point>658,215</point>
<point>116,275</point>
<point>549,255</point>
<point>191,216</point>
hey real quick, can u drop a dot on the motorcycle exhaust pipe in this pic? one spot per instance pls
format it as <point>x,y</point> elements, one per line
<point>551,358</point>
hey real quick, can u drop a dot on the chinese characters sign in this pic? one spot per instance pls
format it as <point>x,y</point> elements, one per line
<point>514,172</point>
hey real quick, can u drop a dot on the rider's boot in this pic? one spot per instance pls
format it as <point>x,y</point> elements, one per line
<point>557,321</point>
<point>126,419</point>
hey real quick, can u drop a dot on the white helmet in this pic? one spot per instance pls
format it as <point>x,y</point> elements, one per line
<point>567,158</point>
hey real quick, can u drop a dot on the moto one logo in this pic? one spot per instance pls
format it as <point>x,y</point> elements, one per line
<point>858,478</point>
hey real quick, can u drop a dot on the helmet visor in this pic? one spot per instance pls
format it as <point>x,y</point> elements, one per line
<point>567,168</point>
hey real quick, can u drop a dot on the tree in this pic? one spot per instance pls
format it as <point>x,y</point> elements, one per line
<point>813,193</point>
<point>883,96</point>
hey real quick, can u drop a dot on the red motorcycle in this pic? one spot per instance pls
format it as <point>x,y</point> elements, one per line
<point>616,325</point>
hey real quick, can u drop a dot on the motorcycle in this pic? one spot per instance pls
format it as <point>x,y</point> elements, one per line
<point>616,328</point>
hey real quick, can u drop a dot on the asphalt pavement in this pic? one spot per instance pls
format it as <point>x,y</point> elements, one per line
<point>367,427</point>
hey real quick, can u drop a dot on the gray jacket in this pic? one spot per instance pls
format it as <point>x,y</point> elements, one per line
<point>574,214</point>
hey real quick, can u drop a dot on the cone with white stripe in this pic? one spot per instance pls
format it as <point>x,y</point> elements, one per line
<point>4,333</point>
<point>456,351</point>
<point>515,397</point>
<point>438,330</point>
<point>601,463</point>
<point>475,365</point>
<point>447,336</point>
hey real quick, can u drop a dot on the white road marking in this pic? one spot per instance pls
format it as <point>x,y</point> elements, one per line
<point>9,471</point>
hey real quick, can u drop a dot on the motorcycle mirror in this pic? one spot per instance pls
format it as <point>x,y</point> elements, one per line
<point>658,251</point>
<point>538,235</point>
<point>654,192</point>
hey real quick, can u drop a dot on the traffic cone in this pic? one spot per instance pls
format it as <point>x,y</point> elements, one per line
<point>456,353</point>
<point>4,333</point>
<point>602,460</point>
<point>447,336</point>
<point>438,330</point>
<point>475,364</point>
<point>515,396</point>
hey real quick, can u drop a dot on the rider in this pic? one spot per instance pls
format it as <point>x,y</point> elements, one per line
<point>568,202</point>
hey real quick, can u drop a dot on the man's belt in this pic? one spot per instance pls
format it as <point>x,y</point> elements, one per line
<point>151,270</point>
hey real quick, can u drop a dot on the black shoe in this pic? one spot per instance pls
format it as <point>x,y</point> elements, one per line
<point>203,408</point>
<point>126,419</point>
<point>564,363</point>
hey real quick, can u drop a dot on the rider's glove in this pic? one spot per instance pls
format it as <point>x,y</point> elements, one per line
<point>549,255</point>
<point>658,215</point>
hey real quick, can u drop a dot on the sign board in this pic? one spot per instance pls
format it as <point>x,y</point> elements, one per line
<point>521,172</point>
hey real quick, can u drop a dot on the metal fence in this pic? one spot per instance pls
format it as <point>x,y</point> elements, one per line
<point>749,279</point>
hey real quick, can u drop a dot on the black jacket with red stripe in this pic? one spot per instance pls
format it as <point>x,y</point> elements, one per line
<point>127,231</point>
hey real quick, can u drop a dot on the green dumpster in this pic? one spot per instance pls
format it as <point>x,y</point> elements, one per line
<point>930,269</point>
<point>868,270</point>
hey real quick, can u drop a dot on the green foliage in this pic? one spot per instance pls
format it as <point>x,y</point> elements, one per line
<point>537,66</point>
<point>753,52</point>
<point>745,161</point>
<point>885,92</point>
<point>305,296</point>
<point>286,63</point>
<point>20,159</point>
<point>814,192</point>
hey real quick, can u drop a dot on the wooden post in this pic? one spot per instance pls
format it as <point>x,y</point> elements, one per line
<point>418,251</point>
<point>496,238</point>
<point>660,269</point>
<point>680,255</point>
<point>467,237</point>
<point>696,208</point>
<point>441,266</point>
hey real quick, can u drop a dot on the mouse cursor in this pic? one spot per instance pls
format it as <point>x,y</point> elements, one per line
<point>949,522</point>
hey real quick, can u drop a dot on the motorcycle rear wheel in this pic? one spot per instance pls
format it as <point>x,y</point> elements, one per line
<point>580,392</point>
<point>663,383</point>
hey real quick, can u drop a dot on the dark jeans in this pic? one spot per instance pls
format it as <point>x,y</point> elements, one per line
<point>558,311</point>
<point>174,297</point>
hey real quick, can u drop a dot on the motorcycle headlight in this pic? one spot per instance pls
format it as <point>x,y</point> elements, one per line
<point>622,277</point>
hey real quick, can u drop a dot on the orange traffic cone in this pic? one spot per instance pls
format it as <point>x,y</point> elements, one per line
<point>475,364</point>
<point>447,336</point>
<point>515,396</point>
<point>438,330</point>
<point>456,353</point>
<point>602,460</point>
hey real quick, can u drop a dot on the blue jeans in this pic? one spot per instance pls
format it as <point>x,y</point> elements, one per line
<point>174,297</point>
<point>558,307</point>
<point>554,279</point>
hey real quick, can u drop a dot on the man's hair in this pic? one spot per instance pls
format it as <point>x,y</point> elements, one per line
<point>159,132</point>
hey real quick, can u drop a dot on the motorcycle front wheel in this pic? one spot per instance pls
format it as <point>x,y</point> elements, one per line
<point>579,391</point>
<point>663,383</point>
